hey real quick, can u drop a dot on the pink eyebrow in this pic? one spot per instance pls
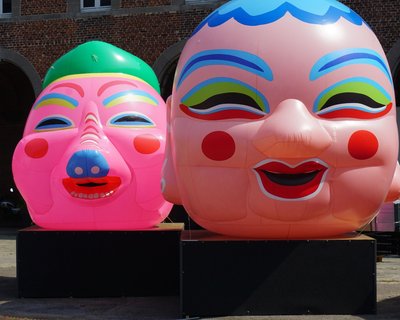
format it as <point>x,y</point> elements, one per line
<point>113,83</point>
<point>74,86</point>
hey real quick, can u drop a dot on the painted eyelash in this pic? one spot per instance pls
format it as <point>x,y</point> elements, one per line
<point>354,111</point>
<point>223,113</point>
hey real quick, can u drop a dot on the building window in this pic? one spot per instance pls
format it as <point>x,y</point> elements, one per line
<point>5,6</point>
<point>95,4</point>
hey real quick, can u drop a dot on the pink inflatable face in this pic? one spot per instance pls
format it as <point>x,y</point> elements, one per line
<point>92,153</point>
<point>282,129</point>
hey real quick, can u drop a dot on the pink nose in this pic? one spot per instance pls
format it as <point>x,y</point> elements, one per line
<point>292,132</point>
<point>87,159</point>
<point>90,128</point>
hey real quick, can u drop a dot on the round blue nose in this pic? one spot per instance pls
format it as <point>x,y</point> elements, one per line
<point>87,164</point>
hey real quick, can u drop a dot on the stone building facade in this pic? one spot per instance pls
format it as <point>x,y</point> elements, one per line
<point>34,33</point>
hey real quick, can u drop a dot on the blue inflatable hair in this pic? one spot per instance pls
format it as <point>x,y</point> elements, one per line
<point>259,12</point>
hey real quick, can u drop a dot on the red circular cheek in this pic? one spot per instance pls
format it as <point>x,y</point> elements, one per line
<point>218,146</point>
<point>37,148</point>
<point>363,145</point>
<point>146,143</point>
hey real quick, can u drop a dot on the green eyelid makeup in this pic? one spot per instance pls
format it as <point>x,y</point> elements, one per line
<point>357,90</point>
<point>224,91</point>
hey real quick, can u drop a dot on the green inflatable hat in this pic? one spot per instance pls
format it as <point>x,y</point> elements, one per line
<point>100,57</point>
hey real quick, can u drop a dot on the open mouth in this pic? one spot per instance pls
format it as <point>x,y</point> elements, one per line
<point>91,188</point>
<point>279,180</point>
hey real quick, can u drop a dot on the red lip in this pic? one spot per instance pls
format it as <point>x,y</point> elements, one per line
<point>282,181</point>
<point>91,188</point>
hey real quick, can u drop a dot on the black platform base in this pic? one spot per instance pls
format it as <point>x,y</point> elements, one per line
<point>221,276</point>
<point>98,263</point>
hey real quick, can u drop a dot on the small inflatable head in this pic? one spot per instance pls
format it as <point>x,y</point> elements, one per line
<point>93,145</point>
<point>282,121</point>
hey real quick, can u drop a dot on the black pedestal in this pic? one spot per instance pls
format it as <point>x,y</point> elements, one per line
<point>98,263</point>
<point>223,276</point>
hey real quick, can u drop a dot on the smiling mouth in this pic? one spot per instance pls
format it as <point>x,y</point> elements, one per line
<point>281,181</point>
<point>91,188</point>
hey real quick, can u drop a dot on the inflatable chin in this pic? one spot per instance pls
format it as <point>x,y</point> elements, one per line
<point>93,145</point>
<point>282,122</point>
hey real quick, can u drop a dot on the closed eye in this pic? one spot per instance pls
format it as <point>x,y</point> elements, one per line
<point>355,98</point>
<point>54,123</point>
<point>131,120</point>
<point>229,98</point>
<point>224,98</point>
<point>359,100</point>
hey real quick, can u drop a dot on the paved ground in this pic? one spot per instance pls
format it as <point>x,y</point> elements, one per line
<point>159,307</point>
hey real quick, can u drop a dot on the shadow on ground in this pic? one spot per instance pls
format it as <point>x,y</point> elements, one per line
<point>389,308</point>
<point>8,288</point>
<point>146,308</point>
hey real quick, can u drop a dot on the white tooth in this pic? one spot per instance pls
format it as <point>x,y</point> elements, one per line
<point>85,196</point>
<point>96,196</point>
<point>80,195</point>
<point>107,194</point>
<point>91,196</point>
<point>102,195</point>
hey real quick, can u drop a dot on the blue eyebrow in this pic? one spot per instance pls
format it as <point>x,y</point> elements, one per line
<point>235,58</point>
<point>338,59</point>
<point>68,101</point>
<point>135,92</point>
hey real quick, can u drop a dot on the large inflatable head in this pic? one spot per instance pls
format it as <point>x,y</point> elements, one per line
<point>282,121</point>
<point>94,142</point>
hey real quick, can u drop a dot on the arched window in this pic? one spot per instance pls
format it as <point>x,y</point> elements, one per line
<point>394,62</point>
<point>165,67</point>
<point>19,85</point>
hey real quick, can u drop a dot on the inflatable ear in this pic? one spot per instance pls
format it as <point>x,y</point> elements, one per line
<point>394,190</point>
<point>169,183</point>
